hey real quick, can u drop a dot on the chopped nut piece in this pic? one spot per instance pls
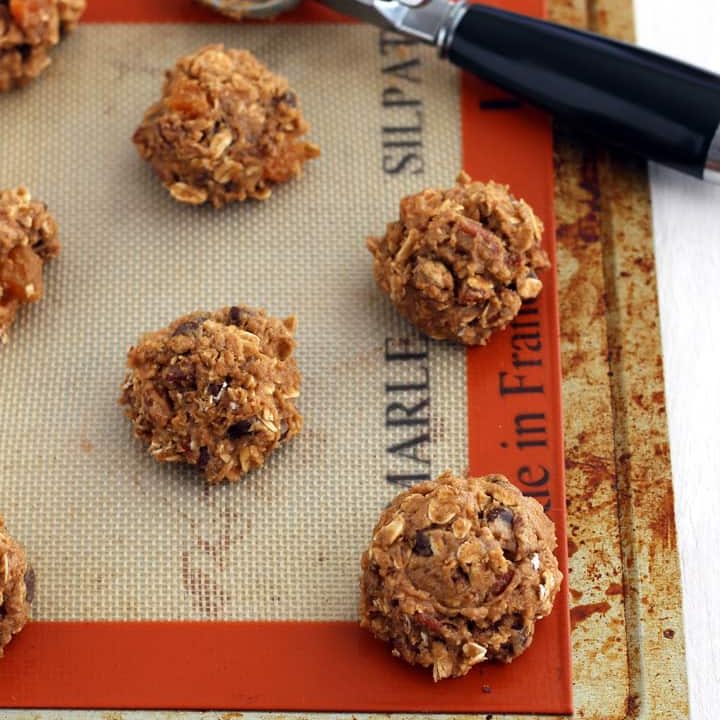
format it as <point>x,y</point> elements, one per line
<point>28,239</point>
<point>434,279</point>
<point>459,262</point>
<point>529,288</point>
<point>449,597</point>
<point>226,129</point>
<point>196,391</point>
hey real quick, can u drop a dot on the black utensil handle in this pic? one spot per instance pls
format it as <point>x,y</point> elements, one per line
<point>646,103</point>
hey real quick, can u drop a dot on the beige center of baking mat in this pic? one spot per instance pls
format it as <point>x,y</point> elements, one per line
<point>111,533</point>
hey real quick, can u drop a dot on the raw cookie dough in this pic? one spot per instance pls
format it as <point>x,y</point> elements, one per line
<point>216,390</point>
<point>28,239</point>
<point>458,571</point>
<point>459,262</point>
<point>28,30</point>
<point>225,129</point>
<point>16,588</point>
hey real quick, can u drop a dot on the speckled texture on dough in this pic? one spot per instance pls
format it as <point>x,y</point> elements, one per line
<point>28,239</point>
<point>459,262</point>
<point>458,572</point>
<point>16,586</point>
<point>226,129</point>
<point>29,29</point>
<point>216,390</point>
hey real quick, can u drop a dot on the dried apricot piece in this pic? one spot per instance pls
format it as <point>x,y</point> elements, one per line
<point>21,274</point>
<point>28,13</point>
<point>28,239</point>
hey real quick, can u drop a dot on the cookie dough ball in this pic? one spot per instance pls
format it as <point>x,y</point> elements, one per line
<point>28,239</point>
<point>28,30</point>
<point>16,588</point>
<point>225,129</point>
<point>458,572</point>
<point>216,390</point>
<point>459,262</point>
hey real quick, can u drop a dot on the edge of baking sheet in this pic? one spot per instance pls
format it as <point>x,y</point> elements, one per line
<point>628,647</point>
<point>609,296</point>
<point>501,146</point>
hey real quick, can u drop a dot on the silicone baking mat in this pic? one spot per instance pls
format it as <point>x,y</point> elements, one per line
<point>153,590</point>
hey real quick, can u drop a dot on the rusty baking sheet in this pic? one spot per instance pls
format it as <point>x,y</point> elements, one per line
<point>628,647</point>
<point>626,604</point>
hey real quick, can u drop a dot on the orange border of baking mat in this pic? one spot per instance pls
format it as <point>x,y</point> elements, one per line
<point>334,666</point>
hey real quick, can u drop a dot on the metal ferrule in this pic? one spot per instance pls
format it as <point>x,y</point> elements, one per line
<point>712,162</point>
<point>432,21</point>
<point>445,37</point>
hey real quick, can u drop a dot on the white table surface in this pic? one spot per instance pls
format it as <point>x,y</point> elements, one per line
<point>687,242</point>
